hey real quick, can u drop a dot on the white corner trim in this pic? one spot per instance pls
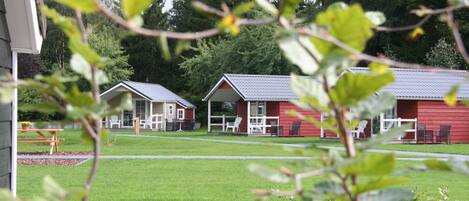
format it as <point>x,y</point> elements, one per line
<point>14,122</point>
<point>125,86</point>
<point>219,83</point>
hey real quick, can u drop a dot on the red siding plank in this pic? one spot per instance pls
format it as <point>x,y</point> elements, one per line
<point>286,120</point>
<point>436,113</point>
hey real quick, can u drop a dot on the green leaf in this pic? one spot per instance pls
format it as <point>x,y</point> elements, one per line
<point>451,98</point>
<point>452,165</point>
<point>77,46</point>
<point>288,8</point>
<point>268,173</point>
<point>67,24</point>
<point>378,68</point>
<point>391,194</point>
<point>371,164</point>
<point>165,48</point>
<point>243,8</point>
<point>374,105</point>
<point>86,6</point>
<point>416,34</point>
<point>328,187</point>
<point>6,195</point>
<point>311,90</point>
<point>267,6</point>
<point>6,94</point>
<point>378,183</point>
<point>40,107</point>
<point>466,103</point>
<point>387,136</point>
<point>52,189</point>
<point>351,88</point>
<point>300,52</point>
<point>181,45</point>
<point>350,25</point>
<point>376,17</point>
<point>132,8</point>
<point>126,101</point>
<point>77,98</point>
<point>434,164</point>
<point>79,65</point>
<point>338,5</point>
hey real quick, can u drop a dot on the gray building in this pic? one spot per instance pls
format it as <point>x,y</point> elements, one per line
<point>19,33</point>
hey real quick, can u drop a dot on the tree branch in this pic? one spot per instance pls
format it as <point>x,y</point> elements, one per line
<point>404,28</point>
<point>457,36</point>
<point>176,35</point>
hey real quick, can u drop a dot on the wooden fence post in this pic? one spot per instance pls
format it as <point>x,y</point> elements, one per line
<point>137,125</point>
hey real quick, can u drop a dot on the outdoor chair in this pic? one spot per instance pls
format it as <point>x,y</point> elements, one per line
<point>171,125</point>
<point>234,125</point>
<point>360,129</point>
<point>424,135</point>
<point>188,125</point>
<point>444,134</point>
<point>295,129</point>
<point>114,121</point>
<point>275,129</point>
<point>420,133</point>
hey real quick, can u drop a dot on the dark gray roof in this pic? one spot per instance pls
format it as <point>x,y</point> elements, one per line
<point>156,92</point>
<point>420,84</point>
<point>262,87</point>
<point>410,84</point>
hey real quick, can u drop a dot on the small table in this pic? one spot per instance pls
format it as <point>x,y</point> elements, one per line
<point>53,140</point>
<point>180,126</point>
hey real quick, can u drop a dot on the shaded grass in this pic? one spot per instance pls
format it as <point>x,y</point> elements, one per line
<point>167,179</point>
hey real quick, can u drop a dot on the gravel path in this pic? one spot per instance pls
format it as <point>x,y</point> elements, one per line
<point>165,157</point>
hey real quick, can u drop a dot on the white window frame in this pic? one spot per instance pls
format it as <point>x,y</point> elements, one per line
<point>183,114</point>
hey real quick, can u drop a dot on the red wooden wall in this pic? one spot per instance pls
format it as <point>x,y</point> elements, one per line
<point>242,111</point>
<point>435,113</point>
<point>286,120</point>
<point>188,112</point>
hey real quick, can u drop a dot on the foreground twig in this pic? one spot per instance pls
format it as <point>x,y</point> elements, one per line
<point>457,36</point>
<point>177,35</point>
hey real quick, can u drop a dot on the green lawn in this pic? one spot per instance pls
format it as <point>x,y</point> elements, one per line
<point>165,179</point>
<point>197,179</point>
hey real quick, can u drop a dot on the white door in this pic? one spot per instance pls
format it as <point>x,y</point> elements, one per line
<point>171,112</point>
<point>258,109</point>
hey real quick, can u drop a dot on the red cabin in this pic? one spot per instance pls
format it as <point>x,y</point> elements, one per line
<point>266,99</point>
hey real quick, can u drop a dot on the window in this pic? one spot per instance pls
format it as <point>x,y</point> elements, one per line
<point>180,114</point>
<point>140,109</point>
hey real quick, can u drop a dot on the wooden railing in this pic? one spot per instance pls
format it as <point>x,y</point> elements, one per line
<point>260,123</point>
<point>398,123</point>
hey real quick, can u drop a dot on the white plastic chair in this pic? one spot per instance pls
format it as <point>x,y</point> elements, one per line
<point>115,121</point>
<point>234,125</point>
<point>360,129</point>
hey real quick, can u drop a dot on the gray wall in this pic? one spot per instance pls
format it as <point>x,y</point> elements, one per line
<point>5,110</point>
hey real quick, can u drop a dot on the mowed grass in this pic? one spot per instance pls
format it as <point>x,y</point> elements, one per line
<point>166,179</point>
<point>137,146</point>
<point>197,179</point>
<point>153,146</point>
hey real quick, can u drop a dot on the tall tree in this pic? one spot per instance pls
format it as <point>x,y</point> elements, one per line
<point>145,54</point>
<point>398,13</point>
<point>253,51</point>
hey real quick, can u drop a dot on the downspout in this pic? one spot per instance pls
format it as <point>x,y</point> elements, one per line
<point>14,122</point>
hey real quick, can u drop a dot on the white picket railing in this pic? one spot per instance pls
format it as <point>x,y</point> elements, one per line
<point>221,124</point>
<point>259,124</point>
<point>386,124</point>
